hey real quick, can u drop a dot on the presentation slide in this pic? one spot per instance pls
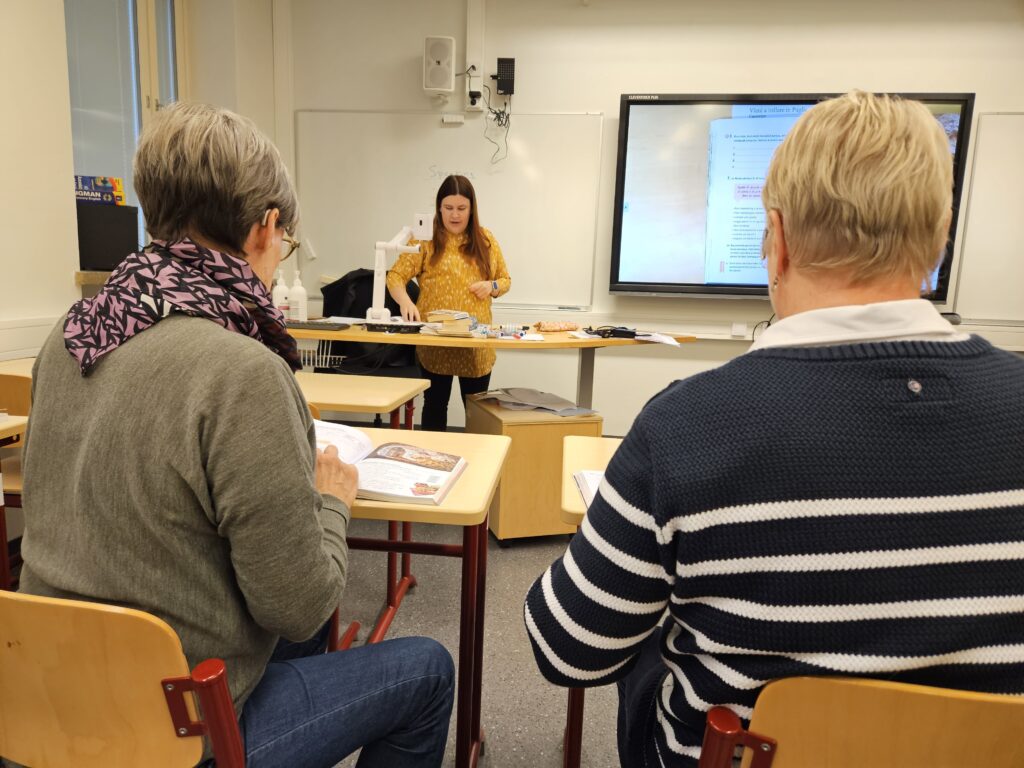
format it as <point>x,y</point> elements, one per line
<point>691,208</point>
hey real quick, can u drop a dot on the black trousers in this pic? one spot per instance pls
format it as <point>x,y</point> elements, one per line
<point>435,399</point>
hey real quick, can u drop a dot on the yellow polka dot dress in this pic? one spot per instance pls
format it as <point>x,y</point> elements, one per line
<point>445,285</point>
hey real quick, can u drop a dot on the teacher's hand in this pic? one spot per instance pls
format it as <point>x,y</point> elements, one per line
<point>481,289</point>
<point>409,312</point>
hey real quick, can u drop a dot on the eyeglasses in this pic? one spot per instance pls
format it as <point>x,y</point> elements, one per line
<point>286,239</point>
<point>292,243</point>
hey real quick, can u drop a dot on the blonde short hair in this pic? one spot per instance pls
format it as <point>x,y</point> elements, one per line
<point>204,170</point>
<point>864,184</point>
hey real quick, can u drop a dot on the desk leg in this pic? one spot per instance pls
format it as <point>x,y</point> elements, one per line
<point>478,641</point>
<point>396,587</point>
<point>410,409</point>
<point>396,421</point>
<point>467,743</point>
<point>572,744</point>
<point>585,378</point>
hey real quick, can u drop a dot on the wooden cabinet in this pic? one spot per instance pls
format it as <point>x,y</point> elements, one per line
<point>528,501</point>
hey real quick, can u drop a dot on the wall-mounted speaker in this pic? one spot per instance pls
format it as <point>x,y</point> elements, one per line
<point>439,64</point>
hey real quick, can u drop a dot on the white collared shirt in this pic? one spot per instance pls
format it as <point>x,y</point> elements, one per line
<point>905,320</point>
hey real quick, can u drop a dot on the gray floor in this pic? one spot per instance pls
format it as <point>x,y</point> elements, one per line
<point>523,715</point>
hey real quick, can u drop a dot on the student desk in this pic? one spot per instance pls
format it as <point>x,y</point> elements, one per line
<point>466,506</point>
<point>579,453</point>
<point>362,394</point>
<point>11,428</point>
<point>561,340</point>
<point>20,367</point>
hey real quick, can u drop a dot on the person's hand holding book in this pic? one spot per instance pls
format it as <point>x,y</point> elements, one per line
<point>335,477</point>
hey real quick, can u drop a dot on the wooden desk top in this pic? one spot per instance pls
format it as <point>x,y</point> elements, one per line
<point>20,367</point>
<point>358,394</point>
<point>12,426</point>
<point>561,340</point>
<point>581,453</point>
<point>468,500</point>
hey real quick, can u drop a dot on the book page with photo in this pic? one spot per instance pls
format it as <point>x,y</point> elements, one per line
<point>393,471</point>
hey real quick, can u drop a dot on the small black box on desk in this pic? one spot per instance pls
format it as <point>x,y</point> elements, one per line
<point>106,234</point>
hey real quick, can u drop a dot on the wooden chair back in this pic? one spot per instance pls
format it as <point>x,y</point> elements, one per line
<point>15,394</point>
<point>83,684</point>
<point>852,722</point>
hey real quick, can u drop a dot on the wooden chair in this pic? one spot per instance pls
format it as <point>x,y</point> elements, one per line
<point>94,686</point>
<point>851,722</point>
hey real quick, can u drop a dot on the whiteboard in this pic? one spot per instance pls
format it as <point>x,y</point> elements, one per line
<point>362,175</point>
<point>991,284</point>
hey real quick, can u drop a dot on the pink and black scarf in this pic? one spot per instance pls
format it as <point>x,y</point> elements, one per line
<point>182,277</point>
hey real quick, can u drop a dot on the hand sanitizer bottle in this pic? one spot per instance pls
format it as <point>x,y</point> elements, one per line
<point>297,300</point>
<point>279,294</point>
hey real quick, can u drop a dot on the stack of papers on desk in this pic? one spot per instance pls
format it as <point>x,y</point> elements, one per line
<point>525,399</point>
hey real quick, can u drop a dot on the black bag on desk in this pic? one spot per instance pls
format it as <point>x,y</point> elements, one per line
<point>350,296</point>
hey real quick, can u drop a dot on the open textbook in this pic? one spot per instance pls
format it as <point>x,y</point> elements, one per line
<point>588,480</point>
<point>392,471</point>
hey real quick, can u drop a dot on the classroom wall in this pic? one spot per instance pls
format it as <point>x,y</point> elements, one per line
<point>40,249</point>
<point>575,56</point>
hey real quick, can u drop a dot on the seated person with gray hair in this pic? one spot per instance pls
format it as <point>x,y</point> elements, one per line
<point>846,499</point>
<point>170,464</point>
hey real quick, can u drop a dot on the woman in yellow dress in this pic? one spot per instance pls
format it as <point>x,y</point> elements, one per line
<point>460,268</point>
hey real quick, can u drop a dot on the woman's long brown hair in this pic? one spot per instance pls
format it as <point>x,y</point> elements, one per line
<point>475,249</point>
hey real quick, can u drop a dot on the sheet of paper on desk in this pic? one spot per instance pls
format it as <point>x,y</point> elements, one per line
<point>657,338</point>
<point>588,481</point>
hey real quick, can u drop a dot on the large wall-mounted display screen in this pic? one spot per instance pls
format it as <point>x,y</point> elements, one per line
<point>688,214</point>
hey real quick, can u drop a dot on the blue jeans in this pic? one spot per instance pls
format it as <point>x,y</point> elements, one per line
<point>393,699</point>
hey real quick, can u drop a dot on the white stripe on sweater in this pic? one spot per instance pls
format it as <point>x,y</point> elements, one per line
<point>865,664</point>
<point>793,510</point>
<point>626,562</point>
<point>670,738</point>
<point>563,667</point>
<point>850,561</point>
<point>630,513</point>
<point>908,609</point>
<point>602,598</point>
<point>580,633</point>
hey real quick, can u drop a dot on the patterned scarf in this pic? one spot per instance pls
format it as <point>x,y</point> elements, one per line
<point>182,277</point>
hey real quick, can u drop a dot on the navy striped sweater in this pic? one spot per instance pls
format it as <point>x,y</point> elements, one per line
<point>843,510</point>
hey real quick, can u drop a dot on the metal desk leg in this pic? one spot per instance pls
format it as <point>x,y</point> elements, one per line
<point>572,744</point>
<point>396,422</point>
<point>478,640</point>
<point>396,588</point>
<point>585,378</point>
<point>467,743</point>
<point>410,408</point>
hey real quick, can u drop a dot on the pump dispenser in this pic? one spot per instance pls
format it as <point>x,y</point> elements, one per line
<point>279,295</point>
<point>298,300</point>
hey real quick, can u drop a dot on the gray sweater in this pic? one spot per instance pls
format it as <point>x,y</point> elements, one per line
<point>178,478</point>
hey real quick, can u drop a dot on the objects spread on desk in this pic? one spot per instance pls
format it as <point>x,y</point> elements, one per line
<point>451,322</point>
<point>392,471</point>
<point>526,399</point>
<point>588,481</point>
<point>556,326</point>
<point>611,332</point>
<point>396,325</point>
